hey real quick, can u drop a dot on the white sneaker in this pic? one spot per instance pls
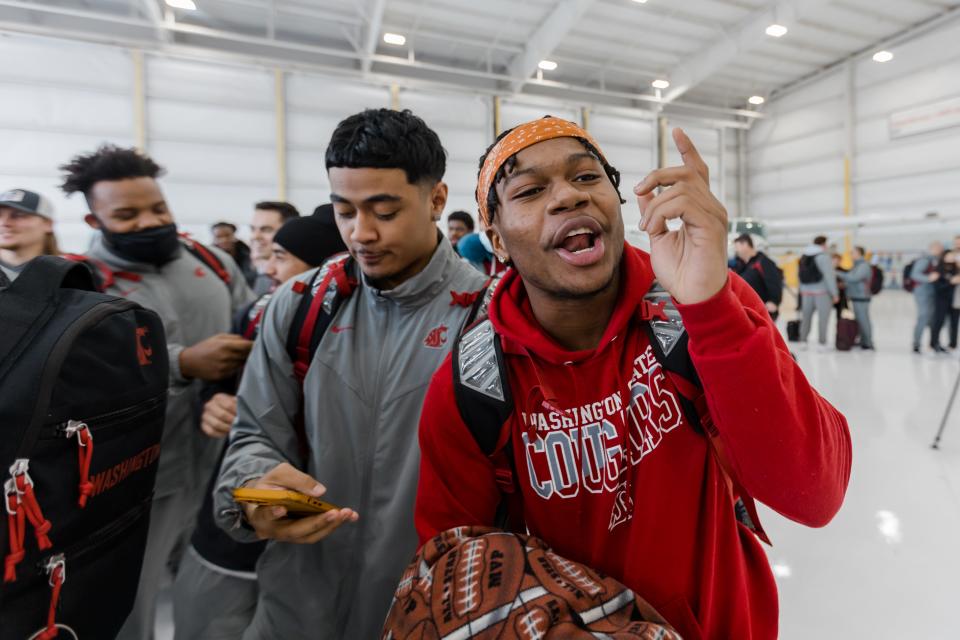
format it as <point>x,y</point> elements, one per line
<point>804,346</point>
<point>824,348</point>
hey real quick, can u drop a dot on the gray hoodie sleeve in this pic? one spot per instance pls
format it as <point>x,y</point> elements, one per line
<point>263,434</point>
<point>861,272</point>
<point>825,264</point>
<point>917,272</point>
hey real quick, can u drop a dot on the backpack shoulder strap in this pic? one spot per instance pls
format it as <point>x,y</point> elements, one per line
<point>207,257</point>
<point>485,403</point>
<point>669,341</point>
<point>103,276</point>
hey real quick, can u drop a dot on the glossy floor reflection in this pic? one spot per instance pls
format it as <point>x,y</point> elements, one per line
<point>888,566</point>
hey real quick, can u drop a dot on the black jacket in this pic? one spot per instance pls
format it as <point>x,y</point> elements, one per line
<point>763,275</point>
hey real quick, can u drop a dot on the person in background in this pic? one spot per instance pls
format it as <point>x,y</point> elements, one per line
<point>195,299</point>
<point>842,303</point>
<point>268,217</point>
<point>26,230</point>
<point>818,290</point>
<point>923,274</point>
<point>943,289</point>
<point>954,313</point>
<point>215,593</point>
<point>459,224</point>
<point>225,238</point>
<point>760,272</point>
<point>857,290</point>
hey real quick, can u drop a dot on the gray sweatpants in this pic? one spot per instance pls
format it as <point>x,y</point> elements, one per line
<point>861,310</point>
<point>822,303</point>
<point>923,296</point>
<point>171,516</point>
<point>209,604</point>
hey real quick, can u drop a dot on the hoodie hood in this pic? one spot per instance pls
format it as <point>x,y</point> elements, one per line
<point>813,250</point>
<point>513,318</point>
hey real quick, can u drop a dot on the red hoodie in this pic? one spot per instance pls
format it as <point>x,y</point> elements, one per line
<point>614,477</point>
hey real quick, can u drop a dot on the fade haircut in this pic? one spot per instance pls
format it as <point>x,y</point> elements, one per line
<point>387,139</point>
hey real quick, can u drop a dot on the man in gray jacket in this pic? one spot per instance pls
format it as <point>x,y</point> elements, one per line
<point>818,290</point>
<point>924,274</point>
<point>361,397</point>
<point>858,292</point>
<point>139,255</point>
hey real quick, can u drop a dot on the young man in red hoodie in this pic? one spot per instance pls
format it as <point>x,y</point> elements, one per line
<point>610,470</point>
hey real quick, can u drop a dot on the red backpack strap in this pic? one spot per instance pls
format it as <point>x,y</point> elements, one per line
<point>669,341</point>
<point>104,277</point>
<point>320,299</point>
<point>206,256</point>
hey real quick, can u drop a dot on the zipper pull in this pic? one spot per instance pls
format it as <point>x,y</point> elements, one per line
<point>16,531</point>
<point>80,429</point>
<point>56,568</point>
<point>23,483</point>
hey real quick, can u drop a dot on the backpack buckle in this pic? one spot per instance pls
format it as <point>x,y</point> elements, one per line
<point>20,468</point>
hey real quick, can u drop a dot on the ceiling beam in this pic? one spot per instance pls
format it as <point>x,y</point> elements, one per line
<point>742,37</point>
<point>374,20</point>
<point>545,39</point>
<point>155,15</point>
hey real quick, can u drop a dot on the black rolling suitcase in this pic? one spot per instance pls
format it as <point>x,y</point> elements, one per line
<point>83,381</point>
<point>793,331</point>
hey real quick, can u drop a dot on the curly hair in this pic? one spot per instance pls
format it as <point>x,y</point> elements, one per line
<point>110,163</point>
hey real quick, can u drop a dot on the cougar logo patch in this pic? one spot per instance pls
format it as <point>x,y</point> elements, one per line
<point>436,338</point>
<point>143,353</point>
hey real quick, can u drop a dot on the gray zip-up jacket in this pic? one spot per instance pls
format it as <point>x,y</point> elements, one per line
<point>858,281</point>
<point>827,285</point>
<point>922,286</point>
<point>363,394</point>
<point>194,304</point>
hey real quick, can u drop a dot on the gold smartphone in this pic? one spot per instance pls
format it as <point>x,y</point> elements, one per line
<point>294,502</point>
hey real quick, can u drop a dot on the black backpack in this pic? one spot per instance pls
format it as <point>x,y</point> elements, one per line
<point>83,382</point>
<point>809,272</point>
<point>485,404</point>
<point>876,279</point>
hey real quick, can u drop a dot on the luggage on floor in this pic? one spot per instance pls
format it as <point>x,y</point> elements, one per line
<point>793,331</point>
<point>485,584</point>
<point>847,332</point>
<point>84,380</point>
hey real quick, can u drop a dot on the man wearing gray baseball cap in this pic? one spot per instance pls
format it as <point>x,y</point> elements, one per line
<point>26,230</point>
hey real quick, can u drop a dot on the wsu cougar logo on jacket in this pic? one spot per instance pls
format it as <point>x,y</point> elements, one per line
<point>436,338</point>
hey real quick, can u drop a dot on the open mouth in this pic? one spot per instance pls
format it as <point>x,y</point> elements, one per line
<point>580,242</point>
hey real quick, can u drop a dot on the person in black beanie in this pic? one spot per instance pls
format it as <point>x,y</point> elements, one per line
<point>303,243</point>
<point>216,590</point>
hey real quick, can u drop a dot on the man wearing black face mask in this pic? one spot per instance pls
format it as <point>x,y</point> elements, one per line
<point>195,290</point>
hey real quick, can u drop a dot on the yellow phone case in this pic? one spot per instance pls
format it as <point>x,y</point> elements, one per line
<point>292,501</point>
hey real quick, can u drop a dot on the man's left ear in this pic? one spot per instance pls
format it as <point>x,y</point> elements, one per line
<point>438,199</point>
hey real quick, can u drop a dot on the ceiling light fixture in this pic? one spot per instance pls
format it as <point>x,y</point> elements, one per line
<point>776,30</point>
<point>660,84</point>
<point>756,100</point>
<point>395,38</point>
<point>882,56</point>
<point>640,1</point>
<point>186,5</point>
<point>548,65</point>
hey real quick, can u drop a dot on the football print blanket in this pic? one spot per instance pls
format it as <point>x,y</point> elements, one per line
<point>483,583</point>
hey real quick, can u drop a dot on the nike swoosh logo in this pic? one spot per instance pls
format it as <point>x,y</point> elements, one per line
<point>337,329</point>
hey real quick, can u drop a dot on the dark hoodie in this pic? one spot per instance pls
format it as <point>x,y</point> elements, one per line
<point>612,475</point>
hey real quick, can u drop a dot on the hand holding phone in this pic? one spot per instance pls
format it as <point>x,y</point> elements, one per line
<point>271,520</point>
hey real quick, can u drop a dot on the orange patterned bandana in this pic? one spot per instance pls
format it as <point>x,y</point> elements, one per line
<point>525,135</point>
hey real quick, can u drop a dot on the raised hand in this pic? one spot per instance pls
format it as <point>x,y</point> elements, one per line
<point>691,262</point>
